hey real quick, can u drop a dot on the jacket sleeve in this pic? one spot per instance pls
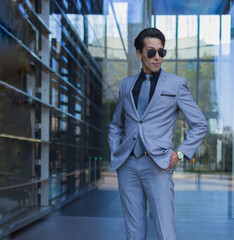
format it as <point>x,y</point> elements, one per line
<point>195,120</point>
<point>116,129</point>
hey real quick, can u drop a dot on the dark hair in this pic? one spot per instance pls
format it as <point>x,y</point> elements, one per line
<point>148,32</point>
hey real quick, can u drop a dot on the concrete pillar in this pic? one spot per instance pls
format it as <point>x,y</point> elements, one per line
<point>45,111</point>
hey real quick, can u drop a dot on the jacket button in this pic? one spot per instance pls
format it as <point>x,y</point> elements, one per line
<point>140,122</point>
<point>134,139</point>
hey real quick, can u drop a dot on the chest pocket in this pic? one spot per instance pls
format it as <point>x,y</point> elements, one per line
<point>168,94</point>
<point>167,100</point>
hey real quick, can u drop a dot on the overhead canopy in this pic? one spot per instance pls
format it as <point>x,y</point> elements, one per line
<point>171,7</point>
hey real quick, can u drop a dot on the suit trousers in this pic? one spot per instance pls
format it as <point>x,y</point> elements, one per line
<point>140,179</point>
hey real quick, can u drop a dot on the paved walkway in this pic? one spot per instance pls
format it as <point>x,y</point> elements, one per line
<point>199,215</point>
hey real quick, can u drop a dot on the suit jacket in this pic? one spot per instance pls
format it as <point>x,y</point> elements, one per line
<point>155,127</point>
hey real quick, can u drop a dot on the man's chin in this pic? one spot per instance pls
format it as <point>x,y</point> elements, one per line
<point>156,70</point>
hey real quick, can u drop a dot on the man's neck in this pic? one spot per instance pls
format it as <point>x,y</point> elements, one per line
<point>152,73</point>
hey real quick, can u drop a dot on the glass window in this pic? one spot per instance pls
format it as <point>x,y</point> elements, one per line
<point>116,43</point>
<point>55,26</point>
<point>207,89</point>
<point>121,11</point>
<point>187,36</point>
<point>209,36</point>
<point>115,72</point>
<point>169,66</point>
<point>77,21</point>
<point>188,70</point>
<point>19,113</point>
<point>96,31</point>
<point>55,95</point>
<point>226,34</point>
<point>167,24</point>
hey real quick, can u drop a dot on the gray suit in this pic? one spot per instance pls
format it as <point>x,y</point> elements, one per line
<point>155,129</point>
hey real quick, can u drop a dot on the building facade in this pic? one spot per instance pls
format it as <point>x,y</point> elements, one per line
<point>61,62</point>
<point>50,109</point>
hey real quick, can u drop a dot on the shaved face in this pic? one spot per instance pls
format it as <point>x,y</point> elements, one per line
<point>150,65</point>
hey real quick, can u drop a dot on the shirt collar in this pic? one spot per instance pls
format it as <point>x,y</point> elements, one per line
<point>142,74</point>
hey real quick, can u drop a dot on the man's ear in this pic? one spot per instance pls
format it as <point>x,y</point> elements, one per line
<point>139,54</point>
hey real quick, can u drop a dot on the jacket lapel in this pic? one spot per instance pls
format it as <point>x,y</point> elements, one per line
<point>131,96</point>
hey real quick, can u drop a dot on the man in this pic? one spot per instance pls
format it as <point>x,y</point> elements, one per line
<point>140,138</point>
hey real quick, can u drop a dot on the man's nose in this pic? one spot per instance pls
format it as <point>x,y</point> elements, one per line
<point>156,56</point>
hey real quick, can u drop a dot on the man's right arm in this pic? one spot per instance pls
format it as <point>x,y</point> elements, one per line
<point>116,129</point>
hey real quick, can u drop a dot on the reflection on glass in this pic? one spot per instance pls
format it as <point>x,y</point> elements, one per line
<point>96,38</point>
<point>121,11</point>
<point>18,113</point>
<point>19,165</point>
<point>77,21</point>
<point>55,26</point>
<point>115,72</point>
<point>209,36</point>
<point>167,24</point>
<point>207,87</point>
<point>206,64</point>
<point>169,66</point>
<point>15,202</point>
<point>116,43</point>
<point>75,132</point>
<point>55,96</point>
<point>63,125</point>
<point>188,70</point>
<point>187,36</point>
<point>225,35</point>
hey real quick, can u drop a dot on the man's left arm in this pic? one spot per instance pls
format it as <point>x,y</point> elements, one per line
<point>196,122</point>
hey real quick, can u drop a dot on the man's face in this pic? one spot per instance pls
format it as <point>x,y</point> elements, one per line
<point>153,64</point>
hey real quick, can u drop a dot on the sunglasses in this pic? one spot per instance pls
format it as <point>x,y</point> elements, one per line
<point>152,52</point>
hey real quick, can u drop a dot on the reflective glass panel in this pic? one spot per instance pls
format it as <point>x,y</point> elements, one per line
<point>209,36</point>
<point>117,39</point>
<point>96,30</point>
<point>167,24</point>
<point>225,35</point>
<point>187,36</point>
<point>188,70</point>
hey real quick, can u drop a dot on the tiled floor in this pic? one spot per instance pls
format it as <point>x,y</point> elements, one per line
<point>199,215</point>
